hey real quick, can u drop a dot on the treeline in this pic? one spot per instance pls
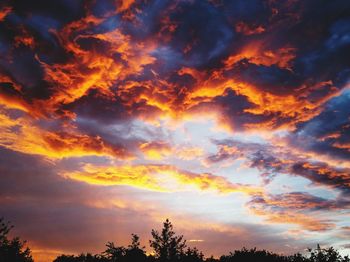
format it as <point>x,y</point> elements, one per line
<point>166,246</point>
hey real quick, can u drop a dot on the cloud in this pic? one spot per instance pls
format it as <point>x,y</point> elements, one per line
<point>21,134</point>
<point>323,174</point>
<point>275,160</point>
<point>161,178</point>
<point>297,208</point>
<point>94,88</point>
<point>306,222</point>
<point>103,53</point>
<point>327,133</point>
<point>300,201</point>
<point>59,215</point>
<point>155,150</point>
<point>4,12</point>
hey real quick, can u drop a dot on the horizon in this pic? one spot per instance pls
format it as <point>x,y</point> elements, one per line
<point>230,118</point>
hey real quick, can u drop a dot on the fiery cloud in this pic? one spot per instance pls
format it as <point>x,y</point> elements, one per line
<point>287,217</point>
<point>158,178</point>
<point>272,160</point>
<point>179,97</point>
<point>290,209</point>
<point>4,11</point>
<point>155,150</point>
<point>21,135</point>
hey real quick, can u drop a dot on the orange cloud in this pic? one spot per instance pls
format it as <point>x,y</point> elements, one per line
<point>25,38</point>
<point>257,53</point>
<point>98,69</point>
<point>189,153</point>
<point>91,69</point>
<point>272,108</point>
<point>304,221</point>
<point>160,178</point>
<point>307,222</point>
<point>125,4</point>
<point>4,12</point>
<point>23,135</point>
<point>156,150</point>
<point>246,29</point>
<point>11,101</point>
<point>45,254</point>
<point>282,106</point>
<point>323,173</point>
<point>342,146</point>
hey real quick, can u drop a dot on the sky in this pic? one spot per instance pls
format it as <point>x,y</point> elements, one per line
<point>229,117</point>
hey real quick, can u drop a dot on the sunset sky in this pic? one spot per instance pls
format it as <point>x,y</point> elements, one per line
<point>229,117</point>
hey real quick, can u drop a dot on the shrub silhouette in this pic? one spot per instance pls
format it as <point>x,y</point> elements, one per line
<point>250,255</point>
<point>82,258</point>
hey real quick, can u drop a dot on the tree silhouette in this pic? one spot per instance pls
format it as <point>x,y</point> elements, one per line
<point>12,249</point>
<point>211,259</point>
<point>326,255</point>
<point>65,258</point>
<point>297,258</point>
<point>252,255</point>
<point>81,258</point>
<point>167,245</point>
<point>134,252</point>
<point>192,255</point>
<point>114,253</point>
<point>135,243</point>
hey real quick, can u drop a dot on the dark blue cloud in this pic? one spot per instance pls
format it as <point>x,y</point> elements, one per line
<point>329,130</point>
<point>270,79</point>
<point>63,11</point>
<point>247,10</point>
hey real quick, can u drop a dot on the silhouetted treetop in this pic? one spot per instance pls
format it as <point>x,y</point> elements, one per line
<point>167,245</point>
<point>12,250</point>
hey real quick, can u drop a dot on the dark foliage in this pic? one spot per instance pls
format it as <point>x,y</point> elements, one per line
<point>326,255</point>
<point>12,250</point>
<point>252,255</point>
<point>192,255</point>
<point>167,247</point>
<point>82,258</point>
